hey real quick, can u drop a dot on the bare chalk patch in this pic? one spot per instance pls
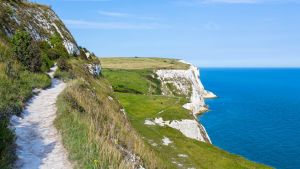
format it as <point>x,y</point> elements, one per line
<point>166,141</point>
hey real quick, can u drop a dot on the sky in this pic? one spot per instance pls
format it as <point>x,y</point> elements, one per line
<point>207,33</point>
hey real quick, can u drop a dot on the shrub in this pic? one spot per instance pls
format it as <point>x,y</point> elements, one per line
<point>59,49</point>
<point>53,54</point>
<point>63,64</point>
<point>27,51</point>
<point>82,54</point>
<point>12,70</point>
<point>47,62</point>
<point>35,57</point>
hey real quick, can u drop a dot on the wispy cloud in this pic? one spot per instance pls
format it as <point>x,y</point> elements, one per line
<point>124,15</point>
<point>113,14</point>
<point>230,1</point>
<point>82,24</point>
<point>85,0</point>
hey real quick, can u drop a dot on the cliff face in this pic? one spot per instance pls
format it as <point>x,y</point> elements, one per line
<point>38,20</point>
<point>186,82</point>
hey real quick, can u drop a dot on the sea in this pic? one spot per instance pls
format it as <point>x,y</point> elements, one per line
<point>256,114</point>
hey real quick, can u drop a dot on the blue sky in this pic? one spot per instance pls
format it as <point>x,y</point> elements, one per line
<point>208,33</point>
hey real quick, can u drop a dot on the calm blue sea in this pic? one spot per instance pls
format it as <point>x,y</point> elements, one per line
<point>257,114</point>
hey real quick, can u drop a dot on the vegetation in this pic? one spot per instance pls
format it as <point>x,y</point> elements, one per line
<point>139,82</point>
<point>182,152</point>
<point>94,128</point>
<point>27,51</point>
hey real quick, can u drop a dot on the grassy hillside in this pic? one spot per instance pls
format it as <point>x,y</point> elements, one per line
<point>142,105</point>
<point>94,128</point>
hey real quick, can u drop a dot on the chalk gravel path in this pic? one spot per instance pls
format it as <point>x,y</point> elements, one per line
<point>38,142</point>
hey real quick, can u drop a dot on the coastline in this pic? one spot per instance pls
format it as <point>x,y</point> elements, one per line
<point>158,115</point>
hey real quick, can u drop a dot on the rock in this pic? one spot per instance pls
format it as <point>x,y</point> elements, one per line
<point>209,95</point>
<point>94,69</point>
<point>149,122</point>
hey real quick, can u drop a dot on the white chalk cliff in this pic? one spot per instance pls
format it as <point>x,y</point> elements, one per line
<point>186,82</point>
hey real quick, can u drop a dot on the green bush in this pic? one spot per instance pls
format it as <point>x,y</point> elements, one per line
<point>27,51</point>
<point>35,57</point>
<point>47,63</point>
<point>58,47</point>
<point>63,64</point>
<point>12,70</point>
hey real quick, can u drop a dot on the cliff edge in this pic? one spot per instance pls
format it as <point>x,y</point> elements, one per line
<point>187,83</point>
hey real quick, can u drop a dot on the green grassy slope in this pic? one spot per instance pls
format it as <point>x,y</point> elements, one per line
<point>146,105</point>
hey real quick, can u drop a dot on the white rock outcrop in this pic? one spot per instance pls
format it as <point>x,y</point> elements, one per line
<point>166,141</point>
<point>94,69</point>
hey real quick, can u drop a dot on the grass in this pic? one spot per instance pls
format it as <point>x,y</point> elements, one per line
<point>63,75</point>
<point>131,82</point>
<point>144,105</point>
<point>142,63</point>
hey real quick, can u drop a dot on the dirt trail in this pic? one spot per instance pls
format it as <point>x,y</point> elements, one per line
<point>38,142</point>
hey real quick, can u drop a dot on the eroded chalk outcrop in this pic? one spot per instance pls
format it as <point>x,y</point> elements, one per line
<point>186,82</point>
